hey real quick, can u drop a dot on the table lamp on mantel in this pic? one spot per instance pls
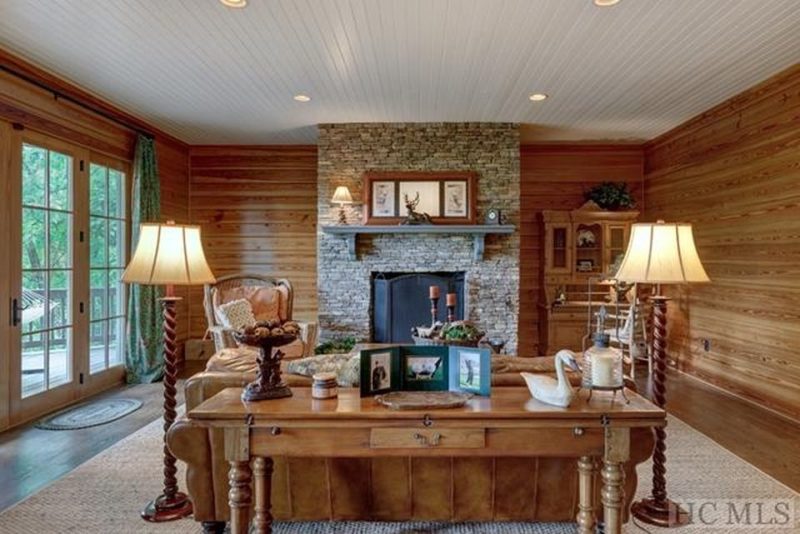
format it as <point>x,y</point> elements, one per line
<point>660,253</point>
<point>168,254</point>
<point>341,197</point>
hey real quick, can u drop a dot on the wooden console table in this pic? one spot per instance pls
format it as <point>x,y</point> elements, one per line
<point>509,423</point>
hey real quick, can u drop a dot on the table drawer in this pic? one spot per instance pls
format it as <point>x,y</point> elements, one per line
<point>415,438</point>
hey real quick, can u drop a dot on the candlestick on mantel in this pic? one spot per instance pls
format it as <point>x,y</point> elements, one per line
<point>433,292</point>
<point>451,307</point>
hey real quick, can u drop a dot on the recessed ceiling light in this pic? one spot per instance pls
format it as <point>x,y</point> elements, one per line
<point>537,97</point>
<point>234,3</point>
<point>606,3</point>
<point>302,98</point>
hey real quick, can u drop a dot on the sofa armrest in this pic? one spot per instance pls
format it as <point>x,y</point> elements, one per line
<point>308,334</point>
<point>206,384</point>
<point>189,443</point>
<point>223,337</point>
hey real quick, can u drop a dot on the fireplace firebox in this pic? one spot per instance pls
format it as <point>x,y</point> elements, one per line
<point>400,302</point>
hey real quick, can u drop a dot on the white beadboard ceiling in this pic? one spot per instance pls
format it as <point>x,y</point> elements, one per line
<point>210,74</point>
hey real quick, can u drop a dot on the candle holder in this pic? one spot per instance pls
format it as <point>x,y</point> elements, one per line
<point>602,368</point>
<point>268,383</point>
<point>451,314</point>
<point>434,310</point>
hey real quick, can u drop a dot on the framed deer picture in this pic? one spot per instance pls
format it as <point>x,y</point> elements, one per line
<point>441,197</point>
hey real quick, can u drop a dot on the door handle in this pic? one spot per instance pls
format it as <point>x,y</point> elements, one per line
<point>16,312</point>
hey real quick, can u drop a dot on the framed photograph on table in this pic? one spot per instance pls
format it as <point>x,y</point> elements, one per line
<point>448,197</point>
<point>380,371</point>
<point>471,370</point>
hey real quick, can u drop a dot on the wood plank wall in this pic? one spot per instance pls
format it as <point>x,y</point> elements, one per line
<point>734,172</point>
<point>555,176</point>
<point>257,206</point>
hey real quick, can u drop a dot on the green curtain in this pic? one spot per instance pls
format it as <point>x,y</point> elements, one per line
<point>144,359</point>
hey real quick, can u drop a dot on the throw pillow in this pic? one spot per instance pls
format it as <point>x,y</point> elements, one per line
<point>346,367</point>
<point>237,314</point>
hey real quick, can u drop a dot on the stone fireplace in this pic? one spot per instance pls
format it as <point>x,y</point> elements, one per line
<point>491,283</point>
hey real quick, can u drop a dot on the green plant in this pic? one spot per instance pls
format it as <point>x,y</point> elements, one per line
<point>460,332</point>
<point>611,196</point>
<point>337,345</point>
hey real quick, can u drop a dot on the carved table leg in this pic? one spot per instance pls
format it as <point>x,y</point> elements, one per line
<point>239,496</point>
<point>237,452</point>
<point>262,473</point>
<point>617,451</point>
<point>585,518</point>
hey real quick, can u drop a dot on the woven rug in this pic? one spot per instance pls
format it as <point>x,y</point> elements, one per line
<point>89,414</point>
<point>105,495</point>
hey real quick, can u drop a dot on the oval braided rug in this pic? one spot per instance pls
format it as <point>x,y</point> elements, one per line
<point>88,414</point>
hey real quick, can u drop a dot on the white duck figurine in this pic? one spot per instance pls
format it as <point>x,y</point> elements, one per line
<point>550,391</point>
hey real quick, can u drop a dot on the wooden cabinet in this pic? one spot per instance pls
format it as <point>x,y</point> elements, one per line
<point>579,245</point>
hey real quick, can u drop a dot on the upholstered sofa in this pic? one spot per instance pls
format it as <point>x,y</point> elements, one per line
<point>389,489</point>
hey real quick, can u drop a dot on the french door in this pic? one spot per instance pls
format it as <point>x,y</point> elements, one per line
<point>68,246</point>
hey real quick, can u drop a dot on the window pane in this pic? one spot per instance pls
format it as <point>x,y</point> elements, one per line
<point>60,167</point>
<point>98,249</point>
<point>33,350</point>
<point>33,238</point>
<point>116,293</point>
<point>59,239</point>
<point>116,341</point>
<point>97,189</point>
<point>97,347</point>
<point>60,357</point>
<point>34,167</point>
<point>116,198</point>
<point>116,243</point>
<point>59,299</point>
<point>34,301</point>
<point>98,283</point>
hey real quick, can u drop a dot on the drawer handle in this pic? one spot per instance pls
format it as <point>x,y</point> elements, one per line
<point>423,440</point>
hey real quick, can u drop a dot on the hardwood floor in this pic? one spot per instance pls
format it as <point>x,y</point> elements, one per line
<point>764,438</point>
<point>31,458</point>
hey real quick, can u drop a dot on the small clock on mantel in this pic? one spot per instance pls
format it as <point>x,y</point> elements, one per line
<point>494,216</point>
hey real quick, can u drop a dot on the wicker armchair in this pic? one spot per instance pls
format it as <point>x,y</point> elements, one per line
<point>271,298</point>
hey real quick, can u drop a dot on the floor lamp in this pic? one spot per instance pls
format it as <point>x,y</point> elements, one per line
<point>660,253</point>
<point>169,255</point>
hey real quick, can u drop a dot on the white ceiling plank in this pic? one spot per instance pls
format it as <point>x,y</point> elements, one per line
<point>209,74</point>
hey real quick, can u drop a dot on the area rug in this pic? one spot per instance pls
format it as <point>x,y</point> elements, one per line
<point>105,495</point>
<point>89,414</point>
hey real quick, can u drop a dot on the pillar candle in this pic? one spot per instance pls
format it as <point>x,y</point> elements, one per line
<point>603,370</point>
<point>433,291</point>
<point>451,299</point>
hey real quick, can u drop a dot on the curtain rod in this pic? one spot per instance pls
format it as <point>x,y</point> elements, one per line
<point>77,101</point>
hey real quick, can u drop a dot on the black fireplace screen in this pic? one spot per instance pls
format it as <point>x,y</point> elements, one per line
<point>400,301</point>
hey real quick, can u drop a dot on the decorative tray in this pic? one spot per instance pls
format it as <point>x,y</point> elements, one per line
<point>423,400</point>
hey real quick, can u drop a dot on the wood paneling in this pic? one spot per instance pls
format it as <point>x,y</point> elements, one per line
<point>555,177</point>
<point>257,206</point>
<point>734,172</point>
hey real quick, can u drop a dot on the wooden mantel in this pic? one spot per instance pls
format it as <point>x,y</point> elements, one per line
<point>477,231</point>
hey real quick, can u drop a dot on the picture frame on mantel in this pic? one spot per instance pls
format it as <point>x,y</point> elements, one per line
<point>449,197</point>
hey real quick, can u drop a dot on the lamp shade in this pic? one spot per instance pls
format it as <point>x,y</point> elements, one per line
<point>661,253</point>
<point>168,254</point>
<point>342,195</point>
